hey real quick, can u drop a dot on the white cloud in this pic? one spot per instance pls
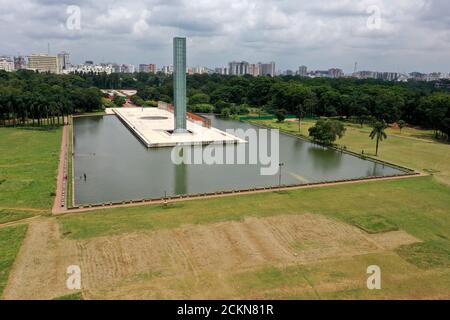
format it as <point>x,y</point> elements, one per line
<point>414,34</point>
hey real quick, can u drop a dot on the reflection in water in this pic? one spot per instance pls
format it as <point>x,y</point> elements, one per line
<point>119,167</point>
<point>324,159</point>
<point>376,170</point>
<point>181,179</point>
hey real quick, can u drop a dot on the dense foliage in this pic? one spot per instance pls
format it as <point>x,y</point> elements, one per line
<point>327,131</point>
<point>363,101</point>
<point>29,97</point>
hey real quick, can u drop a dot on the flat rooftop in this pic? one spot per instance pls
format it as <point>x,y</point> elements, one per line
<point>153,127</point>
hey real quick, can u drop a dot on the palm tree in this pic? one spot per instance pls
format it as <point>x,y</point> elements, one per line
<point>401,125</point>
<point>300,114</point>
<point>378,133</point>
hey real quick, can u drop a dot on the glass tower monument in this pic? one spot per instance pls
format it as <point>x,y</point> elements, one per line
<point>179,84</point>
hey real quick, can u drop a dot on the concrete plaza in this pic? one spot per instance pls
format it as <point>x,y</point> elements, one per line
<point>154,128</point>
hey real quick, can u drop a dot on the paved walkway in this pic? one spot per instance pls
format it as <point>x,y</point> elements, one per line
<point>237,193</point>
<point>61,178</point>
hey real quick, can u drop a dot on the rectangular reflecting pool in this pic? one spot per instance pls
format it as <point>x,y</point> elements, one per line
<point>112,165</point>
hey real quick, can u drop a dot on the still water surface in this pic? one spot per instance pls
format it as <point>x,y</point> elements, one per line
<point>118,167</point>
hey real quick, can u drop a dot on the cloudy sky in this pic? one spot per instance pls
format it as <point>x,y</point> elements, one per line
<point>385,35</point>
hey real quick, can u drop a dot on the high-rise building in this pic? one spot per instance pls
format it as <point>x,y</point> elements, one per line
<point>253,69</point>
<point>335,73</point>
<point>20,63</point>
<point>144,68</point>
<point>179,84</point>
<point>6,64</point>
<point>147,68</point>
<point>87,68</point>
<point>63,61</point>
<point>43,63</point>
<point>303,71</point>
<point>127,68</point>
<point>221,70</point>
<point>152,68</point>
<point>267,69</point>
<point>167,69</point>
<point>238,68</point>
<point>116,68</point>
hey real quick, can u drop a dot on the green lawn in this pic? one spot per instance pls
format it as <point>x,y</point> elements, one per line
<point>73,296</point>
<point>13,215</point>
<point>28,166</point>
<point>419,206</point>
<point>412,148</point>
<point>10,241</point>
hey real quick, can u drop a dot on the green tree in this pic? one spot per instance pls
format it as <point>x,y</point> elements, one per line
<point>327,131</point>
<point>378,133</point>
<point>281,115</point>
<point>401,124</point>
<point>300,114</point>
<point>226,113</point>
<point>119,101</point>
<point>199,98</point>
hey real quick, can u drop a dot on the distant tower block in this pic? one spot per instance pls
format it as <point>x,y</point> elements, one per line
<point>179,84</point>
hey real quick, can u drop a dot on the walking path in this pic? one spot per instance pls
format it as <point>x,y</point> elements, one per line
<point>18,222</point>
<point>61,178</point>
<point>237,193</point>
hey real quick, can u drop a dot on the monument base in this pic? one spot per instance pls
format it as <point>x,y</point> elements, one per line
<point>154,127</point>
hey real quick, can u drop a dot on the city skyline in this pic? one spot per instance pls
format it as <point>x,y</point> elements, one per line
<point>61,64</point>
<point>410,36</point>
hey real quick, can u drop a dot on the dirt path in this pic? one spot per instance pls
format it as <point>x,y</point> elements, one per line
<point>17,222</point>
<point>39,271</point>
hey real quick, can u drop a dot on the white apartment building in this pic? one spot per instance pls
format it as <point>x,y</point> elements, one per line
<point>6,64</point>
<point>167,69</point>
<point>267,69</point>
<point>43,63</point>
<point>87,68</point>
<point>303,71</point>
<point>238,68</point>
<point>63,61</point>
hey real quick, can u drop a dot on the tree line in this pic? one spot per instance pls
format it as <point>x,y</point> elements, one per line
<point>25,94</point>
<point>31,98</point>
<point>365,101</point>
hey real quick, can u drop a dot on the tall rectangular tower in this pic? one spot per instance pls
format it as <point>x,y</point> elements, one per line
<point>179,84</point>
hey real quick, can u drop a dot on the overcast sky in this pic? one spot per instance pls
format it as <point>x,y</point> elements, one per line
<point>410,35</point>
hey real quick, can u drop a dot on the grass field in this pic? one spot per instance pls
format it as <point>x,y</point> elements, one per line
<point>10,241</point>
<point>417,206</point>
<point>299,244</point>
<point>398,201</point>
<point>28,164</point>
<point>411,148</point>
